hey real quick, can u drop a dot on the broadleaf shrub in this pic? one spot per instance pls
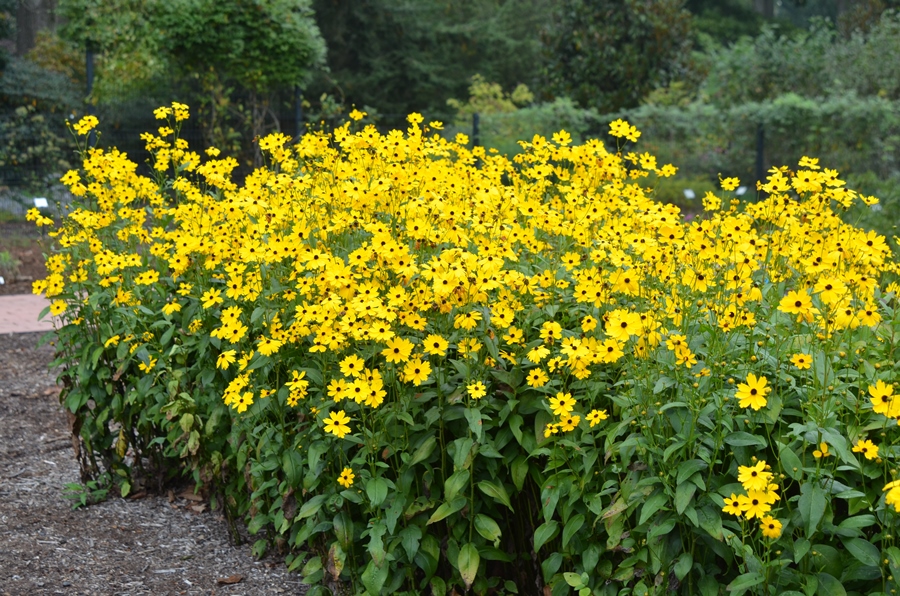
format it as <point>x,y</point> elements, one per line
<point>415,367</point>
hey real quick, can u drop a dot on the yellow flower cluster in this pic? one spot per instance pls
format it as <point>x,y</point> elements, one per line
<point>761,495</point>
<point>406,249</point>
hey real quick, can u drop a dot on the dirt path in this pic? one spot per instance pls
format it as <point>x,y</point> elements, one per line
<point>135,547</point>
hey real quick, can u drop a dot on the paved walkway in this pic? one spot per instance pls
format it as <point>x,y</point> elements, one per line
<point>19,314</point>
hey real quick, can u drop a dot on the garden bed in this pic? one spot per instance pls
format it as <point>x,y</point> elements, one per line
<point>149,545</point>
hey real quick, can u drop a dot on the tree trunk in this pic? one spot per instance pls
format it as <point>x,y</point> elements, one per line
<point>33,16</point>
<point>765,7</point>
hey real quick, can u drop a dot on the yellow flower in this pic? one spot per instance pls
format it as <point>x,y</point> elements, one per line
<point>562,404</point>
<point>801,361</point>
<point>883,400</point>
<point>730,184</point>
<point>212,297</point>
<point>569,422</point>
<point>57,307</point>
<point>346,478</point>
<point>435,345</point>
<point>476,390</point>
<point>537,378</point>
<point>226,359</point>
<point>771,527</point>
<point>596,416</point>
<point>416,371</point>
<point>822,451</point>
<point>336,424</point>
<point>754,478</point>
<point>588,324</point>
<point>352,366</point>
<point>754,504</point>
<point>398,350</point>
<point>867,448</point>
<point>86,124</point>
<point>733,505</point>
<point>752,394</point>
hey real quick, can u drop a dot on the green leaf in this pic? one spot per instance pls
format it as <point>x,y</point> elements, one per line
<point>790,463</point>
<point>572,526</point>
<point>684,494</point>
<point>424,451</point>
<point>518,471</point>
<point>373,577</point>
<point>467,563</point>
<point>496,491</point>
<point>488,529</point>
<point>663,383</point>
<point>864,551</point>
<point>801,547</point>
<point>688,468</point>
<point>656,502</point>
<point>409,538</point>
<point>455,483</point>
<point>743,439</point>
<point>683,565</point>
<point>311,507</point>
<point>343,528</point>
<point>544,533</point>
<point>830,585</point>
<point>812,506</point>
<point>376,490</point>
<point>473,416</point>
<point>745,582</point>
<point>257,523</point>
<point>446,509</point>
<point>461,458</point>
<point>292,464</point>
<point>893,555</point>
<point>573,579</point>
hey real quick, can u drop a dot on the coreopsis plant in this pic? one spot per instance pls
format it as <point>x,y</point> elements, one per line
<point>415,366</point>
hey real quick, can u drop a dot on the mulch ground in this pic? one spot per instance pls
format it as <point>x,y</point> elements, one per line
<point>152,545</point>
<point>23,241</point>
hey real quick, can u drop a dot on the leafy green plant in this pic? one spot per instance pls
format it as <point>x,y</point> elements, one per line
<point>413,366</point>
<point>89,493</point>
<point>9,266</point>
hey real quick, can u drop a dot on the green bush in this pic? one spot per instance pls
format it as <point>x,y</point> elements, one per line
<point>413,367</point>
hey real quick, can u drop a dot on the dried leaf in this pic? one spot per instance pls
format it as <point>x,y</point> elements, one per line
<point>232,579</point>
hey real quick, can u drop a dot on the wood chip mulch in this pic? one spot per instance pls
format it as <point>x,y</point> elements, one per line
<point>150,545</point>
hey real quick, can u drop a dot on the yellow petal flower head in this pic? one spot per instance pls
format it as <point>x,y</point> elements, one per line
<point>752,394</point>
<point>801,361</point>
<point>822,451</point>
<point>86,124</point>
<point>754,478</point>
<point>754,504</point>
<point>596,416</point>
<point>476,390</point>
<point>346,478</point>
<point>562,404</point>
<point>883,399</point>
<point>537,378</point>
<point>771,527</point>
<point>867,448</point>
<point>733,505</point>
<point>336,424</point>
<point>893,496</point>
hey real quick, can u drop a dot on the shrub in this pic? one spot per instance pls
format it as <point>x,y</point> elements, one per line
<point>412,366</point>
